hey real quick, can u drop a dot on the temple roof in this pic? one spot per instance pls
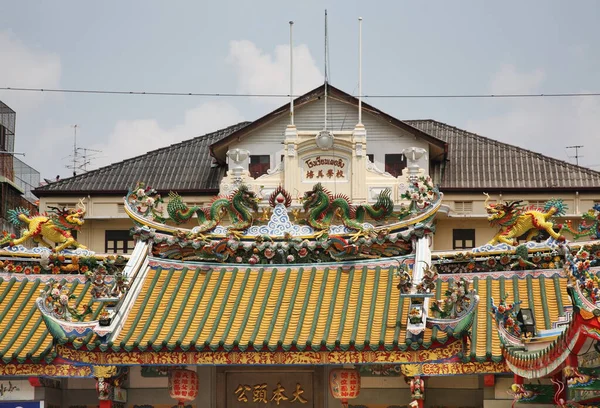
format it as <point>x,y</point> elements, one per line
<point>24,336</point>
<point>184,167</point>
<point>267,309</point>
<point>476,162</point>
<point>325,308</point>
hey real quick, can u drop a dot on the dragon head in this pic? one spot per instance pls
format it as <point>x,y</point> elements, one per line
<point>501,213</point>
<point>71,217</point>
<point>248,197</point>
<point>313,197</point>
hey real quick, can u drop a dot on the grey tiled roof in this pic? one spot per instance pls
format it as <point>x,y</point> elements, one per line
<point>182,167</point>
<point>477,162</point>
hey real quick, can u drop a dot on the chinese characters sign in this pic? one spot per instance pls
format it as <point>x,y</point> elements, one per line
<point>260,393</point>
<point>325,168</point>
<point>269,390</point>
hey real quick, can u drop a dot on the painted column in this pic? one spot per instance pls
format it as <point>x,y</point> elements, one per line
<point>105,384</point>
<point>417,391</point>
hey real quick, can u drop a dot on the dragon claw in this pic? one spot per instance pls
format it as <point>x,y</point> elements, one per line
<point>360,233</point>
<point>320,234</point>
<point>236,233</point>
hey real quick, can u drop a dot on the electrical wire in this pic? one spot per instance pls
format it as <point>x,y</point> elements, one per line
<point>258,95</point>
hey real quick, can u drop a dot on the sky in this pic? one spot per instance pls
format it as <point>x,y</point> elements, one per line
<point>409,48</point>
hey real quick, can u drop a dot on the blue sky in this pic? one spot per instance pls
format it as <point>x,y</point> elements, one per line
<point>433,47</point>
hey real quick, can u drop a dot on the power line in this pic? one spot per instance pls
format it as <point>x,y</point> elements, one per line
<point>251,95</point>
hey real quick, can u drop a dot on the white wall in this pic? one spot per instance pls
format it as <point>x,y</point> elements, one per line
<point>382,137</point>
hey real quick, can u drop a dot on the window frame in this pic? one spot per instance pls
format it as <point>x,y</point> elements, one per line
<point>457,235</point>
<point>263,167</point>
<point>112,239</point>
<point>395,167</point>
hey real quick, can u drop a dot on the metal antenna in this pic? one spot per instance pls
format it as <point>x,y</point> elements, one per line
<point>74,158</point>
<point>577,156</point>
<point>87,158</point>
<point>80,158</point>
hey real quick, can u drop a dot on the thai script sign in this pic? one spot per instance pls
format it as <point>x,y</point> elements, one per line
<point>325,168</point>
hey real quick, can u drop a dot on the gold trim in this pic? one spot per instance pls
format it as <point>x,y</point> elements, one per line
<point>104,371</point>
<point>48,370</point>
<point>259,358</point>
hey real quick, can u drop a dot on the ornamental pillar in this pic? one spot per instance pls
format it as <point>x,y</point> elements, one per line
<point>417,391</point>
<point>108,382</point>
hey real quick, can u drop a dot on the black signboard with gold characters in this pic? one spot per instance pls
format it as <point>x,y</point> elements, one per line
<point>268,389</point>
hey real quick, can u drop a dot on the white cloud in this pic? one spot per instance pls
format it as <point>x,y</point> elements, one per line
<point>51,159</point>
<point>256,72</point>
<point>26,67</point>
<point>138,136</point>
<point>544,125</point>
<point>509,80</point>
<point>259,72</point>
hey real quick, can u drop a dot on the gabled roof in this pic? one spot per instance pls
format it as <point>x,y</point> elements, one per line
<point>219,148</point>
<point>477,162</point>
<point>182,167</point>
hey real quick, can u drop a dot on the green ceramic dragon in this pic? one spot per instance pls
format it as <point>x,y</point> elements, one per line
<point>322,206</point>
<point>239,206</point>
<point>589,226</point>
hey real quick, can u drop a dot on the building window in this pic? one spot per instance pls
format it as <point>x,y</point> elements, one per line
<point>118,241</point>
<point>394,164</point>
<point>535,203</point>
<point>371,157</point>
<point>67,206</point>
<point>463,207</point>
<point>259,164</point>
<point>3,139</point>
<point>463,238</point>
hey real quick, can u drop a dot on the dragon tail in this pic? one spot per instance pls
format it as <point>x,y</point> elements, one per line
<point>178,211</point>
<point>5,238</point>
<point>13,215</point>
<point>383,207</point>
<point>558,205</point>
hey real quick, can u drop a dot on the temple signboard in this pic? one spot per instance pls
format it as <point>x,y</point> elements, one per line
<point>270,389</point>
<point>325,168</point>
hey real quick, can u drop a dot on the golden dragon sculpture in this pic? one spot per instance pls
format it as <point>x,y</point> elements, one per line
<point>515,220</point>
<point>53,227</point>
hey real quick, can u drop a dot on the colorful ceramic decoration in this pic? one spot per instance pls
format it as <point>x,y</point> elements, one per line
<point>514,220</point>
<point>54,226</point>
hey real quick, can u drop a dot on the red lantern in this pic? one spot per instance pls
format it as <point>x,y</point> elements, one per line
<point>344,384</point>
<point>183,385</point>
